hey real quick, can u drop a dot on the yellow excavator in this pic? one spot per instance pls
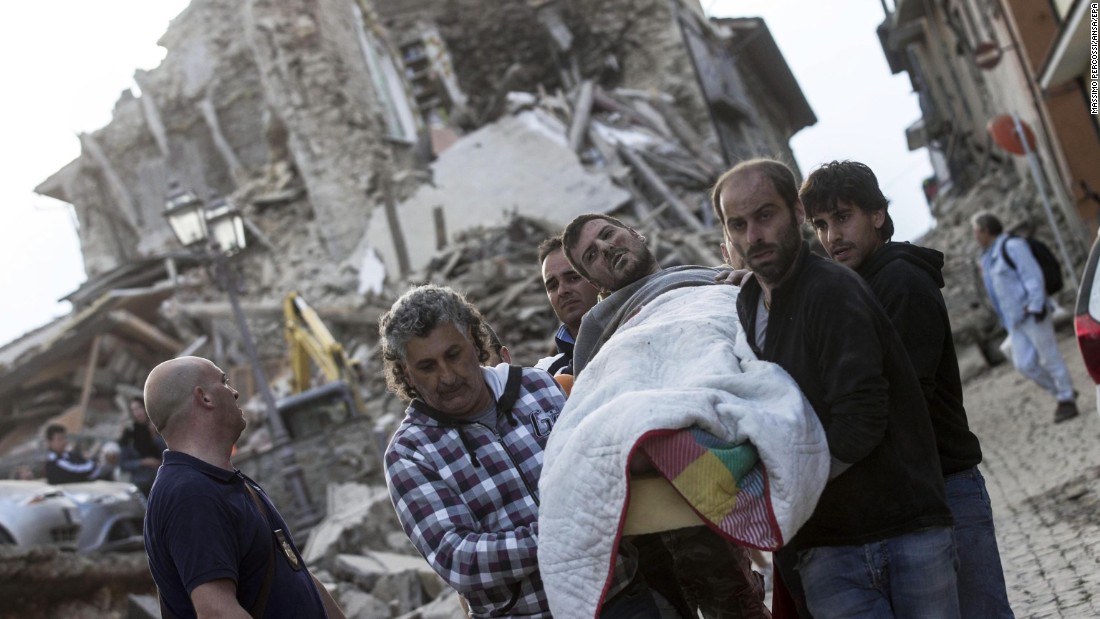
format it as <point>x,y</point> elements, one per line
<point>310,409</point>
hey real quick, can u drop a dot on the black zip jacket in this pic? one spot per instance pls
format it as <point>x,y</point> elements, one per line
<point>829,332</point>
<point>907,280</point>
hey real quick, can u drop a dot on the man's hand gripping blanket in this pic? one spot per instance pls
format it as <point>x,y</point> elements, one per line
<point>680,382</point>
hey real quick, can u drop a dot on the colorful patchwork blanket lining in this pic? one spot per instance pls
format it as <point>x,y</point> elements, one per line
<point>725,484</point>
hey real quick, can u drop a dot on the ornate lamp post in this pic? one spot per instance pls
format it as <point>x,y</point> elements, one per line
<point>215,232</point>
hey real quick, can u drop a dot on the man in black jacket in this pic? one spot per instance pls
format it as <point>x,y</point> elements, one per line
<point>879,542</point>
<point>849,213</point>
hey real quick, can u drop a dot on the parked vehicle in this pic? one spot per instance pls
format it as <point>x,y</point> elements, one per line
<point>1086,320</point>
<point>33,512</point>
<point>112,512</point>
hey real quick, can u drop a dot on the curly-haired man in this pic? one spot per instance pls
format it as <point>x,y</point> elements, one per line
<point>463,467</point>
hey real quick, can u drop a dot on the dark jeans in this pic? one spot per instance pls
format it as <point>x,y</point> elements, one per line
<point>981,580</point>
<point>909,576</point>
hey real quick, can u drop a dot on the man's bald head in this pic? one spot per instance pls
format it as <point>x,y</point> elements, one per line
<point>170,387</point>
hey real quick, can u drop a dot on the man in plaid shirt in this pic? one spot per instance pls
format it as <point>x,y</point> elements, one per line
<point>463,467</point>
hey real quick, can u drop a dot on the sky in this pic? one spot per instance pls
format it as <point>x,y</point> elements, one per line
<point>67,61</point>
<point>862,110</point>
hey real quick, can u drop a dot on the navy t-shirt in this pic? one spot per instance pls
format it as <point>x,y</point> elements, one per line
<point>201,525</point>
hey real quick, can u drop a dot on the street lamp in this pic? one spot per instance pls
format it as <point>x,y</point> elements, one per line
<point>215,231</point>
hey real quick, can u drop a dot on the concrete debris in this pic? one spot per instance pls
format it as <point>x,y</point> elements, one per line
<point>403,590</point>
<point>364,522</point>
<point>544,178</point>
<point>357,604</point>
<point>368,570</point>
<point>447,606</point>
<point>90,585</point>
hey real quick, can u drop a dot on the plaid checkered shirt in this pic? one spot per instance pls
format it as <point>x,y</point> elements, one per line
<point>467,496</point>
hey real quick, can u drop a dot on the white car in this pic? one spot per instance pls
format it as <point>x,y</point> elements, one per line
<point>33,512</point>
<point>112,512</point>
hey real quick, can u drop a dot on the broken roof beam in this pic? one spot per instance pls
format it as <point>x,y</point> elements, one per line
<point>611,104</point>
<point>138,329</point>
<point>654,182</point>
<point>582,113</point>
<point>210,116</point>
<point>118,190</point>
<point>688,136</point>
<point>151,113</point>
<point>89,381</point>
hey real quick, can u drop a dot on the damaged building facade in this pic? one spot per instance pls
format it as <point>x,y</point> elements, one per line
<point>370,144</point>
<point>323,107</point>
<point>970,61</point>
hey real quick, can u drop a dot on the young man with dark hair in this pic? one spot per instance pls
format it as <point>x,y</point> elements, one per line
<point>63,466</point>
<point>879,542</point>
<point>1017,289</point>
<point>571,296</point>
<point>849,214</point>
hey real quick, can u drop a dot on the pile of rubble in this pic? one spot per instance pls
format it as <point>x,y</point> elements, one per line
<point>372,570</point>
<point>658,173</point>
<point>45,582</point>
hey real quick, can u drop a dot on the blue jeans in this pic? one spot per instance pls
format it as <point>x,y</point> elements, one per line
<point>981,580</point>
<point>909,576</point>
<point>637,601</point>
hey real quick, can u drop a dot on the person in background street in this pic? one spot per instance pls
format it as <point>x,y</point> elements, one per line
<point>217,546</point>
<point>879,543</point>
<point>1020,299</point>
<point>571,296</point>
<point>65,466</point>
<point>850,215</point>
<point>463,467</point>
<point>142,447</point>
<point>714,576</point>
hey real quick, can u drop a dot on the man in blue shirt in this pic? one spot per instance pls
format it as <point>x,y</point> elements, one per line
<point>216,544</point>
<point>1018,294</point>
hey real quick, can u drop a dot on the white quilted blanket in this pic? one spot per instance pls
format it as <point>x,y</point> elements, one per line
<point>682,361</point>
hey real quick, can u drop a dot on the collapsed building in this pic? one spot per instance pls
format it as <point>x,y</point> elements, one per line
<point>369,145</point>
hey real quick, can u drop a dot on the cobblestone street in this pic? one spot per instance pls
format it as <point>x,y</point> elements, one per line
<point>1042,481</point>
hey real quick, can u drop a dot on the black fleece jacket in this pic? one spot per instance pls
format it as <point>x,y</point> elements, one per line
<point>827,330</point>
<point>907,280</point>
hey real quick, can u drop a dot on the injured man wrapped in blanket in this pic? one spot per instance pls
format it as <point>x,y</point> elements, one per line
<point>679,382</point>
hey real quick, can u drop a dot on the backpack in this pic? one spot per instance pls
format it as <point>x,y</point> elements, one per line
<point>1048,264</point>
